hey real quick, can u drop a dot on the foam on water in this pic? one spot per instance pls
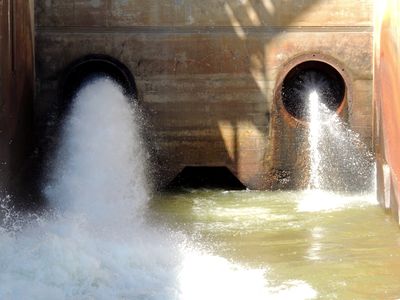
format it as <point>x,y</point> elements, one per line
<point>94,243</point>
<point>216,278</point>
<point>62,259</point>
<point>325,201</point>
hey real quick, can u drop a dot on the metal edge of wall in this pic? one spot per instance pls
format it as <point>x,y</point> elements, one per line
<point>388,189</point>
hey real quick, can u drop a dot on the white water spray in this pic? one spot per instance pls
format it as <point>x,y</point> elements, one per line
<point>339,160</point>
<point>314,139</point>
<point>99,168</point>
<point>97,245</point>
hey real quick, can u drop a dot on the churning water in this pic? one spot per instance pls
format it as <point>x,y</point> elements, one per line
<point>103,238</point>
<point>312,244</point>
<point>95,242</point>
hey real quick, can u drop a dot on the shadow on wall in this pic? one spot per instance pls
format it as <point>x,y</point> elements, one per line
<point>254,14</point>
<point>265,151</point>
<point>238,123</point>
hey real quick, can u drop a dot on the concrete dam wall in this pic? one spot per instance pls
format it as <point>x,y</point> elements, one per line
<point>209,74</point>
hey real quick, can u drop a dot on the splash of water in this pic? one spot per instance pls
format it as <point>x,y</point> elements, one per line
<point>99,170</point>
<point>96,244</point>
<point>339,159</point>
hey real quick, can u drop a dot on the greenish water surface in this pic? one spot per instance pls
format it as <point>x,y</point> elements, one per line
<point>343,246</point>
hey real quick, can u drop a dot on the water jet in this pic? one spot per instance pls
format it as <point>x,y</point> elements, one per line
<point>310,76</point>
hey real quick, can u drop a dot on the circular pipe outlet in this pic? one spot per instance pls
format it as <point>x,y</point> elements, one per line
<point>308,77</point>
<point>89,67</point>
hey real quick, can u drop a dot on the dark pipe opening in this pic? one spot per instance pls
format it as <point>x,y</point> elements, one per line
<point>89,67</point>
<point>206,177</point>
<point>309,76</point>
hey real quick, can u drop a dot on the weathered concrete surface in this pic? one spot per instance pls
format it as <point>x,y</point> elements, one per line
<point>207,72</point>
<point>16,87</point>
<point>387,103</point>
<point>203,13</point>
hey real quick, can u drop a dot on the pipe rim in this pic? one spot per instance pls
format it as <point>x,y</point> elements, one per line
<point>319,58</point>
<point>77,73</point>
